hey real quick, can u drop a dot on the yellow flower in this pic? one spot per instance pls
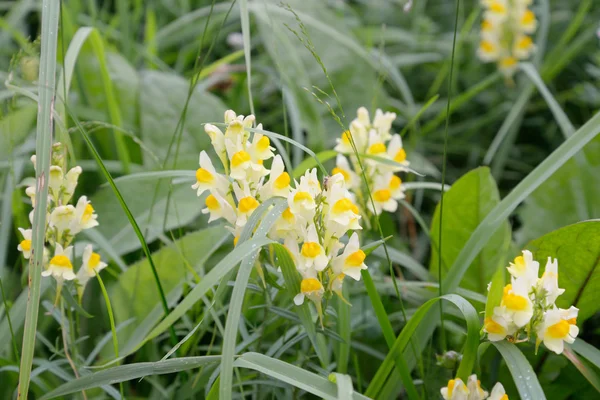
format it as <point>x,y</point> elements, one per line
<point>25,244</point>
<point>351,261</point>
<point>558,326</point>
<point>60,266</point>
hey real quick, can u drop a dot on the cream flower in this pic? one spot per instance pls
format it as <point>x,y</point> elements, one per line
<point>341,214</point>
<point>382,122</point>
<point>397,153</point>
<point>25,244</point>
<point>475,390</point>
<point>30,192</point>
<point>498,393</point>
<point>342,166</point>
<point>557,327</point>
<point>301,202</point>
<point>217,139</point>
<point>549,281</point>
<point>279,181</point>
<point>261,148</point>
<point>456,390</point>
<point>60,266</point>
<point>499,325</point>
<point>63,218</point>
<point>207,177</point>
<point>70,183</point>
<point>311,288</point>
<point>91,265</point>
<point>218,207</point>
<point>55,182</point>
<point>517,302</point>
<point>525,267</point>
<point>85,216</point>
<point>527,22</point>
<point>288,225</point>
<point>312,253</point>
<point>246,203</point>
<point>240,160</point>
<point>351,261</point>
<point>497,10</point>
<point>523,47</point>
<point>382,195</point>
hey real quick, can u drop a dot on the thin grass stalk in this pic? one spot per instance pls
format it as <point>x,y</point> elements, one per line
<point>45,121</point>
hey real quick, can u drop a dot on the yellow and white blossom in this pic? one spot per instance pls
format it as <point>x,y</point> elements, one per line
<point>558,326</point>
<point>475,390</point>
<point>396,152</point>
<point>382,195</point>
<point>312,254</point>
<point>549,281</point>
<point>25,244</point>
<point>30,192</point>
<point>279,181</point>
<point>218,207</point>
<point>341,214</point>
<point>91,265</point>
<point>498,393</point>
<point>525,267</point>
<point>301,201</point>
<point>60,266</point>
<point>343,167</point>
<point>207,177</point>
<point>311,288</point>
<point>499,325</point>
<point>247,203</point>
<point>351,261</point>
<point>517,302</point>
<point>261,148</point>
<point>55,182</point>
<point>62,218</point>
<point>85,216</point>
<point>455,390</point>
<point>70,183</point>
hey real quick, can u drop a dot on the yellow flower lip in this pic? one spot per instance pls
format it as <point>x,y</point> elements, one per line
<point>356,259</point>
<point>87,213</point>
<point>514,302</point>
<point>263,144</point>
<point>212,203</point>
<point>508,62</point>
<point>239,158</point>
<point>559,330</point>
<point>311,249</point>
<point>400,156</point>
<point>25,244</point>
<point>497,7</point>
<point>288,215</point>
<point>344,205</point>
<point>282,181</point>
<point>343,172</point>
<point>301,196</point>
<point>486,46</point>
<point>492,326</point>
<point>524,43</point>
<point>377,148</point>
<point>248,204</point>
<point>94,260</point>
<point>528,17</point>
<point>310,285</point>
<point>204,176</point>
<point>346,137</point>
<point>395,182</point>
<point>382,195</point>
<point>61,261</point>
<point>451,384</point>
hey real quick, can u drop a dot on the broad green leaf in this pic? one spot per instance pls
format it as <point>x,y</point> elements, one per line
<point>162,97</point>
<point>577,249</point>
<point>587,351</point>
<point>134,294</point>
<point>466,204</point>
<point>295,376</point>
<point>524,376</point>
<point>184,207</point>
<point>129,372</point>
<point>14,128</point>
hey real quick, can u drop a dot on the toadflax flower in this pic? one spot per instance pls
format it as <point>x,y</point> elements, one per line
<point>558,326</point>
<point>457,390</point>
<point>60,266</point>
<point>25,244</point>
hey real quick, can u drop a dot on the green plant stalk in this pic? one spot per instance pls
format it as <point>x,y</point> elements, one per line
<point>344,330</point>
<point>10,326</point>
<point>43,145</point>
<point>245,19</point>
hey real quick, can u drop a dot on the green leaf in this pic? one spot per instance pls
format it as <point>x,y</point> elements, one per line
<point>129,372</point>
<point>173,264</point>
<point>114,225</point>
<point>162,97</point>
<point>14,128</point>
<point>587,351</point>
<point>577,249</point>
<point>584,367</point>
<point>468,202</point>
<point>523,375</point>
<point>495,293</point>
<point>470,348</point>
<point>291,374</point>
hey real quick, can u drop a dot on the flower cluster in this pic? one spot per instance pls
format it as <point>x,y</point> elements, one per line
<point>528,307</point>
<point>313,224</point>
<point>382,155</point>
<point>457,390</point>
<point>505,33</point>
<point>64,220</point>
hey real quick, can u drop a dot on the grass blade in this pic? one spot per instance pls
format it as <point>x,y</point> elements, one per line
<point>46,86</point>
<point>245,18</point>
<point>525,378</point>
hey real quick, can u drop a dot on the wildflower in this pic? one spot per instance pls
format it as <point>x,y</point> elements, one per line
<point>525,267</point>
<point>25,244</point>
<point>60,266</point>
<point>455,390</point>
<point>312,253</point>
<point>279,181</point>
<point>56,179</point>
<point>246,203</point>
<point>91,265</point>
<point>517,302</point>
<point>351,261</point>
<point>397,153</point>
<point>549,282</point>
<point>70,183</point>
<point>62,218</point>
<point>311,288</point>
<point>341,214</point>
<point>207,177</point>
<point>475,390</point>
<point>343,167</point>
<point>498,392</point>
<point>301,199</point>
<point>382,195</point>
<point>85,216</point>
<point>499,325</point>
<point>218,207</point>
<point>557,327</point>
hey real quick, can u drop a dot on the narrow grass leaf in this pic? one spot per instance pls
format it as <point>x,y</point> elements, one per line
<point>523,375</point>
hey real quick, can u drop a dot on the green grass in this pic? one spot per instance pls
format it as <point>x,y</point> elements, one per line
<point>182,313</point>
